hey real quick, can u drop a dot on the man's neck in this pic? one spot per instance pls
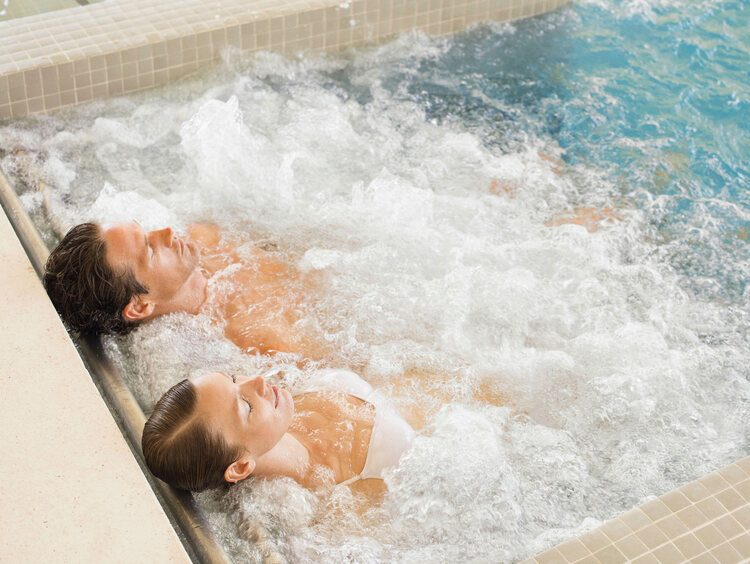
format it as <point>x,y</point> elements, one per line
<point>190,298</point>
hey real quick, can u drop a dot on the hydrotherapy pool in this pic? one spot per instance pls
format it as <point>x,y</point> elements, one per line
<point>623,352</point>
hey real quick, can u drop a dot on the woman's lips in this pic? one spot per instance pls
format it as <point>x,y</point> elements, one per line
<point>276,396</point>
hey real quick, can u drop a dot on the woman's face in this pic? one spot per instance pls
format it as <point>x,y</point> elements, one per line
<point>247,412</point>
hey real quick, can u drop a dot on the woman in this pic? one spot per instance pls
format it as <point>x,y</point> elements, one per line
<point>216,429</point>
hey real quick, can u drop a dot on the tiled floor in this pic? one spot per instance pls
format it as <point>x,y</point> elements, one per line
<point>705,521</point>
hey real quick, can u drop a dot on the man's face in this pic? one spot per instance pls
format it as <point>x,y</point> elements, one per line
<point>160,261</point>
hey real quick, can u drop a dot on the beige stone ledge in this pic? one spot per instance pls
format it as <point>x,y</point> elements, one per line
<point>78,54</point>
<point>71,490</point>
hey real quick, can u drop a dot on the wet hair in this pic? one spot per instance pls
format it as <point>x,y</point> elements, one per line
<point>178,446</point>
<point>87,292</point>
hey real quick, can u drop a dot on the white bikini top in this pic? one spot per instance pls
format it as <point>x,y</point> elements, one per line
<point>391,435</point>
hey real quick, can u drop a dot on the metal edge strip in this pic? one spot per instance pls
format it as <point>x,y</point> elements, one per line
<point>185,516</point>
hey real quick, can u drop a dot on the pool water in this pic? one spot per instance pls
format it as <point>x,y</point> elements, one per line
<point>417,181</point>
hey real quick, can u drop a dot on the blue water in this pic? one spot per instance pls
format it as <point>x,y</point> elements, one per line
<point>657,95</point>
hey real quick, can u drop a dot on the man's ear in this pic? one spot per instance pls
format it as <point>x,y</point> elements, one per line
<point>137,309</point>
<point>239,469</point>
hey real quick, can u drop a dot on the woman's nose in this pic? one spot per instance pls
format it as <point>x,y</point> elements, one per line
<point>165,236</point>
<point>258,383</point>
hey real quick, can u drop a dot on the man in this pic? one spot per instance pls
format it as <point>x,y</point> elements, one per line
<point>109,281</point>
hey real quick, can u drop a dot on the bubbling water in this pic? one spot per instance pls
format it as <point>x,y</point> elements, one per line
<point>571,373</point>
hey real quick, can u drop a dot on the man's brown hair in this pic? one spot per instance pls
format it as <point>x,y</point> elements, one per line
<point>87,292</point>
<point>178,446</point>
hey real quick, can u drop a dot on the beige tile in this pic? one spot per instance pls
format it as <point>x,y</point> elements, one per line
<point>50,84</point>
<point>651,536</point>
<point>589,560</point>
<point>16,88</point>
<point>82,80</point>
<point>705,558</point>
<point>65,76</point>
<point>728,526</point>
<point>145,66</point>
<point>655,509</point>
<point>744,464</point>
<point>33,81</point>
<point>83,94</point>
<point>130,84</point>
<point>97,63</point>
<point>98,76</point>
<point>646,559</point>
<point>115,88</point>
<point>631,546</point>
<point>574,550</point>
<point>726,554</point>
<point>742,545</point>
<point>689,546</point>
<point>19,109</point>
<point>672,527</point>
<point>733,474</point>
<point>35,104</point>
<point>145,80</point>
<point>692,517</point>
<point>67,98</point>
<point>551,557</point>
<point>743,516</point>
<point>51,102</point>
<point>743,488</point>
<point>694,491</point>
<point>594,540</point>
<point>615,529</point>
<point>730,499</point>
<point>675,500</point>
<point>709,536</point>
<point>711,508</point>
<point>714,482</point>
<point>610,555</point>
<point>5,112</point>
<point>668,554</point>
<point>4,93</point>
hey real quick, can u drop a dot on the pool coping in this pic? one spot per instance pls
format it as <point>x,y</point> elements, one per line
<point>70,56</point>
<point>180,507</point>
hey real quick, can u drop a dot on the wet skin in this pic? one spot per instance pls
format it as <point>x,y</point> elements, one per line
<point>316,439</point>
<point>258,305</point>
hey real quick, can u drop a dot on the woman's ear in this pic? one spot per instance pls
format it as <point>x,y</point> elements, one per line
<point>239,469</point>
<point>137,309</point>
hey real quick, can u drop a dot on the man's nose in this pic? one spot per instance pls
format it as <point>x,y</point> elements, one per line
<point>166,235</point>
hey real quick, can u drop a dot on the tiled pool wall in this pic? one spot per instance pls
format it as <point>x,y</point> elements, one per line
<point>706,521</point>
<point>71,56</point>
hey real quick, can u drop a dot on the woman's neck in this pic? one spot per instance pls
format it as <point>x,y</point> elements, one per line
<point>289,457</point>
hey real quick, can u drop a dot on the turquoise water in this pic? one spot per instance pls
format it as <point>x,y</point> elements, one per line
<point>657,94</point>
